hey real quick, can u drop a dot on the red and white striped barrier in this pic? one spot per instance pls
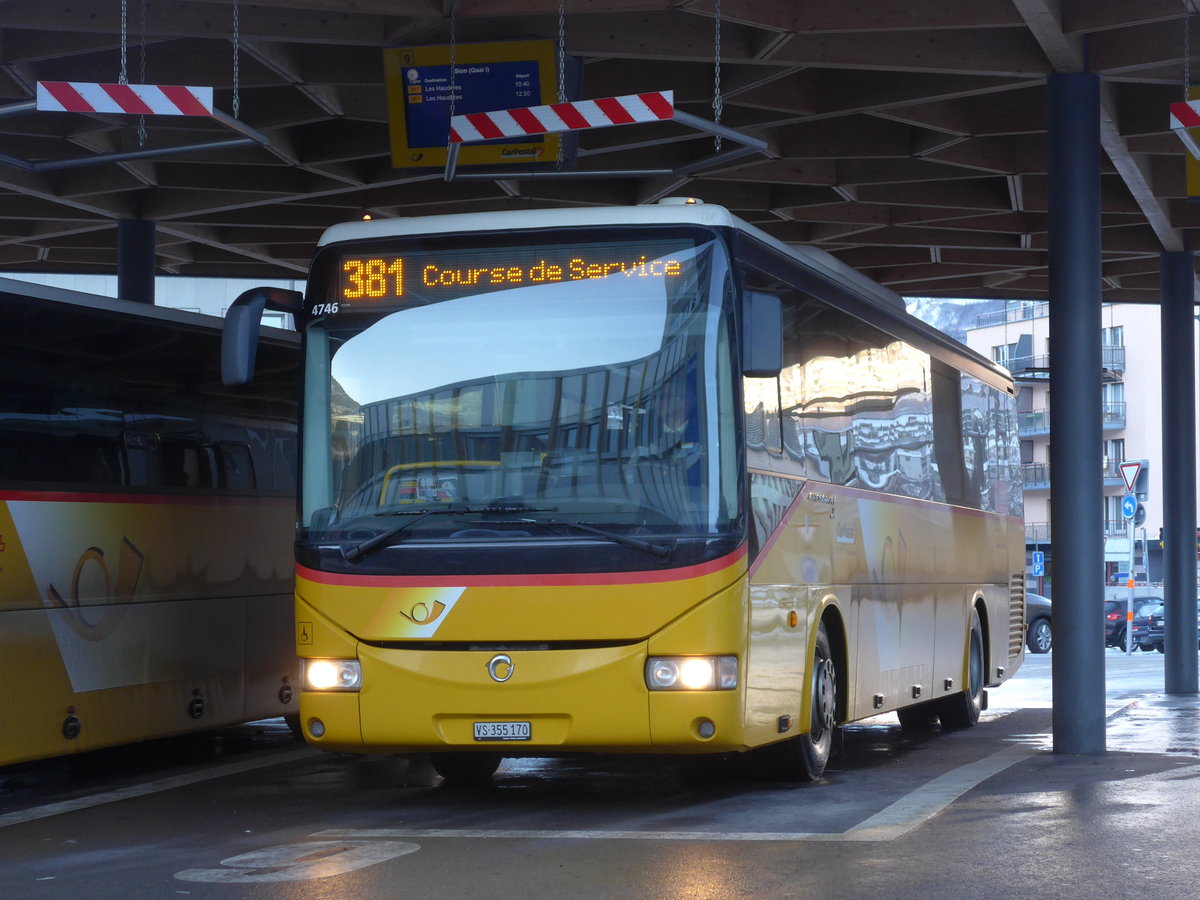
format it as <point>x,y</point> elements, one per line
<point>139,99</point>
<point>656,106</point>
<point>1185,115</point>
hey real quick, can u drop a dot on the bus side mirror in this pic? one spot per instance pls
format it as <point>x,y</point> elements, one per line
<point>239,332</point>
<point>762,335</point>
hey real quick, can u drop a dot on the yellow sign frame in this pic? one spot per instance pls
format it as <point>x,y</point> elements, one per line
<point>397,60</point>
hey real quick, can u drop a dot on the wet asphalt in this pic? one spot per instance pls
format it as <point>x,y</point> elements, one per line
<point>986,812</point>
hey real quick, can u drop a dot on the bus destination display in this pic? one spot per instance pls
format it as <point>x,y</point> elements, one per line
<point>428,276</point>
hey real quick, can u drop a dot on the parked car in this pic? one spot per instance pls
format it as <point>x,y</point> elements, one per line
<point>1154,636</point>
<point>1037,623</point>
<point>1141,626</point>
<point>1114,619</point>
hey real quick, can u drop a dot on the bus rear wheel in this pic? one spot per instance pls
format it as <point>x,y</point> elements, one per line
<point>962,710</point>
<point>804,757</point>
<point>464,768</point>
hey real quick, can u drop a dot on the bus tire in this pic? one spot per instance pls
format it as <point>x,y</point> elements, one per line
<point>804,757</point>
<point>292,720</point>
<point>464,768</point>
<point>919,717</point>
<point>962,710</point>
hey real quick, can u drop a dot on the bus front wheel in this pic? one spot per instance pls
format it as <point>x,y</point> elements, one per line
<point>803,758</point>
<point>962,709</point>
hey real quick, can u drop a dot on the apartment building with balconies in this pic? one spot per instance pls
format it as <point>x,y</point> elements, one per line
<point>1018,337</point>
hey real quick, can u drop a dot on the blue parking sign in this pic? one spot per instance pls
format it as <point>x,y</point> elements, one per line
<point>1038,563</point>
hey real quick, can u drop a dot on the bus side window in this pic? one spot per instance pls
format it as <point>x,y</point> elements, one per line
<point>763,431</point>
<point>143,464</point>
<point>947,433</point>
<point>237,467</point>
<point>186,463</point>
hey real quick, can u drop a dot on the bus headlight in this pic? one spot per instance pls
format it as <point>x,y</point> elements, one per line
<point>691,673</point>
<point>333,674</point>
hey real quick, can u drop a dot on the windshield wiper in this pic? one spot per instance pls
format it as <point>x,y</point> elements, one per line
<point>662,551</point>
<point>500,506</point>
<point>370,545</point>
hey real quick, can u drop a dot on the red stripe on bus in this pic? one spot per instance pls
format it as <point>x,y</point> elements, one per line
<point>775,535</point>
<point>568,579</point>
<point>76,497</point>
<point>850,493</point>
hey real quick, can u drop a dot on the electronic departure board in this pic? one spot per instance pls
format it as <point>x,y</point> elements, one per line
<point>427,276</point>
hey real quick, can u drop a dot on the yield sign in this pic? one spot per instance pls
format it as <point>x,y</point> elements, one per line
<point>1129,472</point>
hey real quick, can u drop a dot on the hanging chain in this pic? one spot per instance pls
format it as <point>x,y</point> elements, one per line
<point>562,72</point>
<point>1187,49</point>
<point>123,78</point>
<point>718,103</point>
<point>141,129</point>
<point>237,74</point>
<point>562,44</point>
<point>453,54</point>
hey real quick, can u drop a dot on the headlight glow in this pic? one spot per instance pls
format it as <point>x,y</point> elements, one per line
<point>333,675</point>
<point>696,674</point>
<point>692,673</point>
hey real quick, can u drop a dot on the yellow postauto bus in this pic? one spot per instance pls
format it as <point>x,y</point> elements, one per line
<point>636,480</point>
<point>147,514</point>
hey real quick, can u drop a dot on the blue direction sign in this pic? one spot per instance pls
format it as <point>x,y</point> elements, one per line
<point>1129,506</point>
<point>1039,563</point>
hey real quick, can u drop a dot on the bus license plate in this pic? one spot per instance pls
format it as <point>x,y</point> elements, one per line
<point>502,731</point>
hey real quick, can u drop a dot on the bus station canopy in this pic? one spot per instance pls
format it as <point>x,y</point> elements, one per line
<point>906,137</point>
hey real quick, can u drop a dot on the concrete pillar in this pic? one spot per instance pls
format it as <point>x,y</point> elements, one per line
<point>1077,503</point>
<point>1177,286</point>
<point>135,260</point>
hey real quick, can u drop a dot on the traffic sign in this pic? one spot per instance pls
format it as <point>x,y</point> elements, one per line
<point>1129,473</point>
<point>1039,563</point>
<point>1129,506</point>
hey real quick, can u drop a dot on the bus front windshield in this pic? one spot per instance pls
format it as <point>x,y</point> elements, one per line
<point>583,382</point>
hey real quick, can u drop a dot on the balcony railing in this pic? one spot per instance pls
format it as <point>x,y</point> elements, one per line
<point>1037,532</point>
<point>1112,473</point>
<point>1112,415</point>
<point>1037,368</point>
<point>1019,313</point>
<point>1112,358</point>
<point>1034,422</point>
<point>1035,476</point>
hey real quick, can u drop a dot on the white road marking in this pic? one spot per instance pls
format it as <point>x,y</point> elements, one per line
<point>892,822</point>
<point>152,787</point>
<point>300,862</point>
<point>927,801</point>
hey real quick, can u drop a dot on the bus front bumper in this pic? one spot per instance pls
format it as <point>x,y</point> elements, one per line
<point>518,702</point>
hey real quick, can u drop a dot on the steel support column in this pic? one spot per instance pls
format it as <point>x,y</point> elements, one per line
<point>135,260</point>
<point>1177,280</point>
<point>1077,505</point>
